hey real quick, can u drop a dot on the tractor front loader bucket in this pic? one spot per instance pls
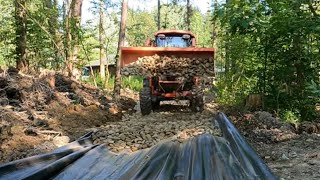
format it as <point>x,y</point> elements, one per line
<point>131,54</point>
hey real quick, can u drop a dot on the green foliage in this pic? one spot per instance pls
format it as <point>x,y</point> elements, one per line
<point>7,33</point>
<point>292,117</point>
<point>141,26</point>
<point>90,36</point>
<point>234,92</point>
<point>40,43</point>
<point>90,44</point>
<point>100,82</point>
<point>134,83</point>
<point>313,93</point>
<point>201,26</point>
<point>172,16</point>
<point>44,35</point>
<point>273,46</point>
<point>314,89</point>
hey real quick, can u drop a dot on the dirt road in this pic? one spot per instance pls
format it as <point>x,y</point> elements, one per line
<point>136,132</point>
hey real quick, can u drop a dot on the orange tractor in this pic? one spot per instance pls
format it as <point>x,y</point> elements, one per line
<point>168,43</point>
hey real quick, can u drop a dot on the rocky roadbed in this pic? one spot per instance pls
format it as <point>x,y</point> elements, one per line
<point>135,132</point>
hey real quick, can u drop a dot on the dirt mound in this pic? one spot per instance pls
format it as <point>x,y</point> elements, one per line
<point>36,110</point>
<point>292,152</point>
<point>309,127</point>
<point>263,126</point>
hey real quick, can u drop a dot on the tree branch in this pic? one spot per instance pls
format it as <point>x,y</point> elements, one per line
<point>313,10</point>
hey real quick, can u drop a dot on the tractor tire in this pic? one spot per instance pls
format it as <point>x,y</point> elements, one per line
<point>145,101</point>
<point>196,103</point>
<point>156,105</point>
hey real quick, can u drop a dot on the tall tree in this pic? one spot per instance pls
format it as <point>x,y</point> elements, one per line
<point>22,63</point>
<point>73,31</point>
<point>122,34</point>
<point>102,40</point>
<point>215,24</point>
<point>159,14</point>
<point>188,14</point>
<point>65,16</point>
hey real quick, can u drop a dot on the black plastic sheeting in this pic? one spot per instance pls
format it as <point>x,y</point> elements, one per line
<point>202,157</point>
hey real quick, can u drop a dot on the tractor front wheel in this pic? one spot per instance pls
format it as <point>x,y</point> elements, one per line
<point>145,101</point>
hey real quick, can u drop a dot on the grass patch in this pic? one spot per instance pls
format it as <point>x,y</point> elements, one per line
<point>134,83</point>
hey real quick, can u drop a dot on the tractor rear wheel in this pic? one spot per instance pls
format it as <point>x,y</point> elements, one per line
<point>145,101</point>
<point>196,103</point>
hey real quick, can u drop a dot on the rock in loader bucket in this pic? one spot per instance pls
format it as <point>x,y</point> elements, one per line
<point>132,54</point>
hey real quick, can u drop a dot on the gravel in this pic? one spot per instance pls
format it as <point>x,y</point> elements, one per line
<point>137,132</point>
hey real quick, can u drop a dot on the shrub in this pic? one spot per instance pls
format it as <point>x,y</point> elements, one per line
<point>291,116</point>
<point>134,83</point>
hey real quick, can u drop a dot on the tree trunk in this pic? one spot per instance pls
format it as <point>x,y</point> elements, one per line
<point>188,14</point>
<point>122,34</point>
<point>73,27</point>
<point>22,63</point>
<point>227,42</point>
<point>298,59</point>
<point>215,25</point>
<point>102,39</point>
<point>159,8</point>
<point>106,80</point>
<point>53,28</point>
<point>65,7</point>
<point>67,38</point>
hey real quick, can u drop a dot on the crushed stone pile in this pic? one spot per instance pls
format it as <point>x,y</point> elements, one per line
<point>137,132</point>
<point>163,66</point>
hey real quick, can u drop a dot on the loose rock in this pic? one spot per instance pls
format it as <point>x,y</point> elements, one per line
<point>61,140</point>
<point>163,66</point>
<point>139,132</point>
